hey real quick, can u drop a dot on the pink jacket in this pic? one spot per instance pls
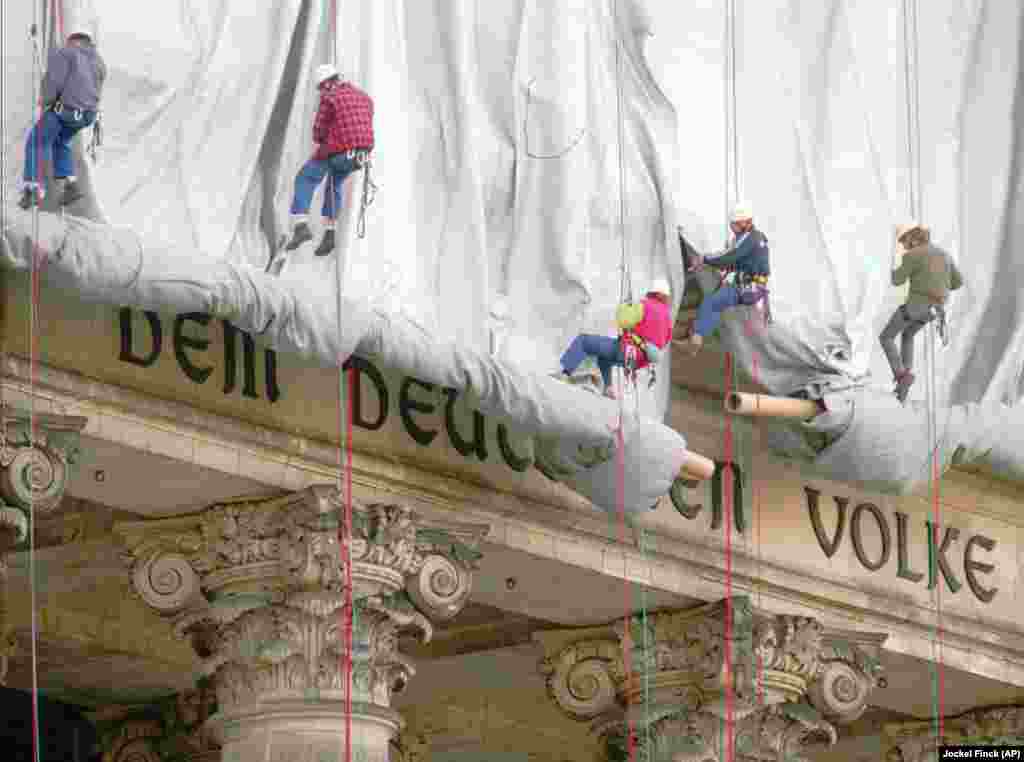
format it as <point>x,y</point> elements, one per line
<point>655,327</point>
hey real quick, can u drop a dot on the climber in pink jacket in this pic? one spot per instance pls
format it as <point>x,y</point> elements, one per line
<point>646,327</point>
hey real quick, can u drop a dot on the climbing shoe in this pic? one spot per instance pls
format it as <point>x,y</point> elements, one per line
<point>903,384</point>
<point>326,244</point>
<point>300,235</point>
<point>72,193</point>
<point>29,198</point>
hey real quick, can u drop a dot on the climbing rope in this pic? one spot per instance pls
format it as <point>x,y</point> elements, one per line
<point>911,40</point>
<point>732,184</point>
<point>626,295</point>
<point>346,386</point>
<point>34,309</point>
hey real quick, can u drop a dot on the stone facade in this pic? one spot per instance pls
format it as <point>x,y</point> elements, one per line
<point>668,686</point>
<point>35,463</point>
<point>168,731</point>
<point>260,589</point>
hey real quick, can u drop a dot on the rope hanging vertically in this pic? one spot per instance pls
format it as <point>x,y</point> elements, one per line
<point>346,386</point>
<point>729,381</point>
<point>56,27</point>
<point>912,82</point>
<point>626,295</point>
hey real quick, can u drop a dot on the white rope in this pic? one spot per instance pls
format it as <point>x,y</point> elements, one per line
<point>37,75</point>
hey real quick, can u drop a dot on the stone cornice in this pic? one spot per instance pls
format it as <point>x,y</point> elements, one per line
<point>584,535</point>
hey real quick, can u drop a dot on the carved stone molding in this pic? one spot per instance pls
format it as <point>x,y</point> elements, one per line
<point>916,741</point>
<point>410,747</point>
<point>260,588</point>
<point>36,461</point>
<point>170,731</point>
<point>677,676</point>
<point>37,454</point>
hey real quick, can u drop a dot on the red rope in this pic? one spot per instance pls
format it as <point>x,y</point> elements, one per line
<point>349,604</point>
<point>627,652</point>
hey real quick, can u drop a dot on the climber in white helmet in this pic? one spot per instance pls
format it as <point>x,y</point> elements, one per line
<point>343,133</point>
<point>749,261</point>
<point>646,329</point>
<point>932,274</point>
<point>71,100</point>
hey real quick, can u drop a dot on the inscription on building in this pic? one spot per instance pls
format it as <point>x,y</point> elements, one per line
<point>467,439</point>
<point>878,555</point>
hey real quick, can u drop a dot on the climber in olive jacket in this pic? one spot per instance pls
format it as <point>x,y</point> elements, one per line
<point>932,274</point>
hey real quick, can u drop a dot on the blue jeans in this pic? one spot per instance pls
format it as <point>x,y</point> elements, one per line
<point>606,350</point>
<point>312,174</point>
<point>709,314</point>
<point>51,138</point>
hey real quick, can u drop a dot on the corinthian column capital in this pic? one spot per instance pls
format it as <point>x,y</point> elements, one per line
<point>783,680</point>
<point>261,588</point>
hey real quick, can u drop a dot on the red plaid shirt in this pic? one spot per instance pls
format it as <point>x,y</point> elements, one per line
<point>344,120</point>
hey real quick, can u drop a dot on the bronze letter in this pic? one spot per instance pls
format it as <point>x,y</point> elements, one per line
<point>361,367</point>
<point>858,541</point>
<point>514,461</point>
<point>903,569</point>
<point>679,499</point>
<point>462,447</point>
<point>248,361</point>
<point>270,368</point>
<point>405,407</point>
<point>127,355</point>
<point>736,476</point>
<point>181,342</point>
<point>971,566</point>
<point>951,536</point>
<point>829,547</point>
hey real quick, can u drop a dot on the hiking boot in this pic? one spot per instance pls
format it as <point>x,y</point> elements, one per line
<point>326,244</point>
<point>903,384</point>
<point>30,197</point>
<point>300,235</point>
<point>72,193</point>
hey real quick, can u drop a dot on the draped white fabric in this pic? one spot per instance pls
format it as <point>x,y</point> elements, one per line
<point>499,163</point>
<point>824,161</point>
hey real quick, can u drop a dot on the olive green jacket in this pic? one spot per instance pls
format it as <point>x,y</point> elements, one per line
<point>932,274</point>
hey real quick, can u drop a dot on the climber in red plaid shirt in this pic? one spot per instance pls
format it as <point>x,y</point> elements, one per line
<point>343,132</point>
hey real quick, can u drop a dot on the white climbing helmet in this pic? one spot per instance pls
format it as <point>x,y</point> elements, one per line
<point>79,31</point>
<point>742,213</point>
<point>324,72</point>
<point>660,286</point>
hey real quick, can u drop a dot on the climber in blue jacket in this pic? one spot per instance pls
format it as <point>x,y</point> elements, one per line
<point>748,258</point>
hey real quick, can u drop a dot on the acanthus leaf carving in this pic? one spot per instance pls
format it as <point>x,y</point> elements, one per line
<point>666,674</point>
